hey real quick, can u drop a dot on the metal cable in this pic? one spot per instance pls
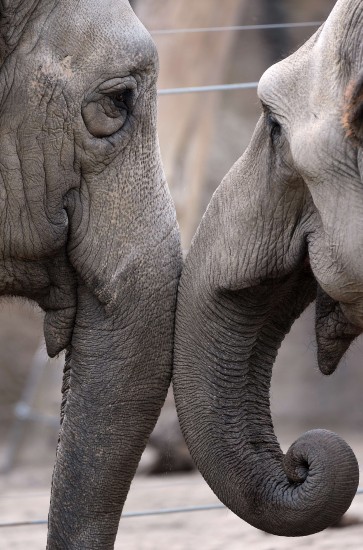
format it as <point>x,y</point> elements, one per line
<point>160,32</point>
<point>145,513</point>
<point>165,511</point>
<point>24,523</point>
<point>213,88</point>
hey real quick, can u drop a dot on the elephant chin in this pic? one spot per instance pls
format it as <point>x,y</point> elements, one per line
<point>334,333</point>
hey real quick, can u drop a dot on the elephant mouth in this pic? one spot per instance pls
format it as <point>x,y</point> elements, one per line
<point>337,325</point>
<point>335,331</point>
<point>58,329</point>
<point>60,306</point>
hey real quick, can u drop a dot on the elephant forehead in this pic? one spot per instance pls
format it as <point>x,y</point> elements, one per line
<point>317,75</point>
<point>94,36</point>
<point>284,87</point>
<point>277,83</point>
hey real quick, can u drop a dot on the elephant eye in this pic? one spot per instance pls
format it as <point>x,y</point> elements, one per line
<point>122,100</point>
<point>107,109</point>
<point>274,126</point>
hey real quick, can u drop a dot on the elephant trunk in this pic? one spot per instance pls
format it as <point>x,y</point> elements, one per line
<point>226,344</point>
<point>116,378</point>
<point>119,360</point>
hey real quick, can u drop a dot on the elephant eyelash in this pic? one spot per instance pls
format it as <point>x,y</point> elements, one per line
<point>272,123</point>
<point>274,126</point>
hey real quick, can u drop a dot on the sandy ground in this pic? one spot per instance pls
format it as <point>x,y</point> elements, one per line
<point>24,495</point>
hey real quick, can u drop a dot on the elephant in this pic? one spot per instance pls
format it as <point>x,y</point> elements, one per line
<point>88,231</point>
<point>284,227</point>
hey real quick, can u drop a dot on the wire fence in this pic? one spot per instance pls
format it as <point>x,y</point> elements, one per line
<point>272,26</point>
<point>129,515</point>
<point>140,514</point>
<point>212,88</point>
<point>225,87</point>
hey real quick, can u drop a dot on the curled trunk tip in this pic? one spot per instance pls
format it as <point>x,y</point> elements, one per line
<point>323,465</point>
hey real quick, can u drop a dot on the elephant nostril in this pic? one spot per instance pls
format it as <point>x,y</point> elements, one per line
<point>296,467</point>
<point>302,471</point>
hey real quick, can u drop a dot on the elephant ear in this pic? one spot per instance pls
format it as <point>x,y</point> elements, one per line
<point>353,110</point>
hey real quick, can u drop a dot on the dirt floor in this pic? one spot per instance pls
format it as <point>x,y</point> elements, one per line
<point>24,495</point>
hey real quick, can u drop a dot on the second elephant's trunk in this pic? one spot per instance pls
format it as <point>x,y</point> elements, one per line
<point>222,373</point>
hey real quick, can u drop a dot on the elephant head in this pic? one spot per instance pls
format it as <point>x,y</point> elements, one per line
<point>88,231</point>
<point>285,226</point>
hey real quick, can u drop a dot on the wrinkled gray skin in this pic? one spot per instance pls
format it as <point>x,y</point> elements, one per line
<point>287,220</point>
<point>88,230</point>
